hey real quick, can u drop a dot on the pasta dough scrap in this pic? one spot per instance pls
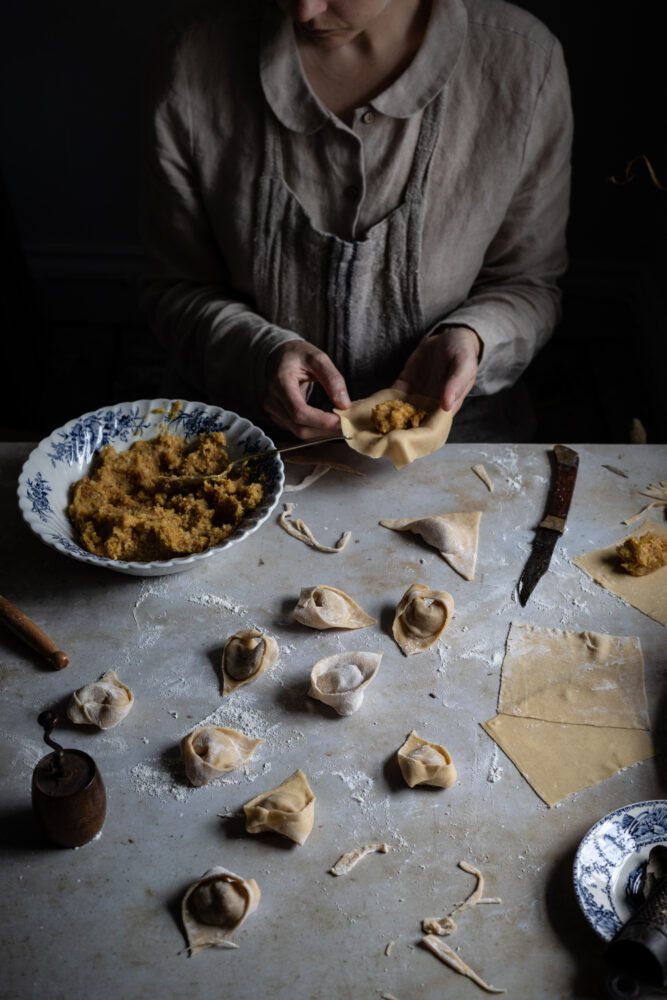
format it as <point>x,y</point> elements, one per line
<point>327,607</point>
<point>455,536</point>
<point>558,759</point>
<point>347,861</point>
<point>400,446</point>
<point>312,477</point>
<point>340,680</point>
<point>216,905</point>
<point>103,703</point>
<point>210,751</point>
<point>298,529</point>
<point>480,471</point>
<point>588,678</point>
<point>447,955</point>
<point>646,593</point>
<point>425,763</point>
<point>658,491</point>
<point>444,926</point>
<point>422,615</point>
<point>245,656</point>
<point>288,809</point>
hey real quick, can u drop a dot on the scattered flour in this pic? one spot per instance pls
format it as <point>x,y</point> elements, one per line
<point>164,777</point>
<point>215,601</point>
<point>495,771</point>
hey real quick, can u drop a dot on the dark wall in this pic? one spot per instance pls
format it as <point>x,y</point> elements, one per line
<point>73,79</point>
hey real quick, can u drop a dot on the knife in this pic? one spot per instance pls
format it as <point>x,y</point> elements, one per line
<point>552,526</point>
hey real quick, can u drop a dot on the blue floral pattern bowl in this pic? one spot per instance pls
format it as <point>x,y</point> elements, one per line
<point>61,459</point>
<point>610,863</point>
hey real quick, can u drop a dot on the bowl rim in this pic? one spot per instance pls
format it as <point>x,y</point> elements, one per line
<point>644,805</point>
<point>74,550</point>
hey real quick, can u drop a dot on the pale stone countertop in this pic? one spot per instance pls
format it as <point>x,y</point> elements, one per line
<point>103,920</point>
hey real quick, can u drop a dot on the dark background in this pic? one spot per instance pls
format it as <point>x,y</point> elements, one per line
<point>73,80</point>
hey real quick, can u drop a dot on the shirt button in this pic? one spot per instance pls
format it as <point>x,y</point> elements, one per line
<point>368,117</point>
<point>351,192</point>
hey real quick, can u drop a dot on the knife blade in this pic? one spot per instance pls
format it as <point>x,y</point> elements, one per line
<point>552,525</point>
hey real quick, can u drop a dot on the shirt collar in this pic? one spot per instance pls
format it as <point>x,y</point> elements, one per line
<point>296,106</point>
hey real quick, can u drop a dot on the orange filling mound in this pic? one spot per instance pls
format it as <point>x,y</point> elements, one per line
<point>123,510</point>
<point>396,415</point>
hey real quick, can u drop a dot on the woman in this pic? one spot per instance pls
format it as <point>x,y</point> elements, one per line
<point>353,194</point>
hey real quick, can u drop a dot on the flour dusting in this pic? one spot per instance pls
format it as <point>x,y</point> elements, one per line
<point>215,601</point>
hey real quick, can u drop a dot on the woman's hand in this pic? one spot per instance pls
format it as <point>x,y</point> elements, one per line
<point>290,369</point>
<point>443,366</point>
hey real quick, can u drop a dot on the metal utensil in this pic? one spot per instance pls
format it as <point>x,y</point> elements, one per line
<point>192,482</point>
<point>552,526</point>
<point>637,956</point>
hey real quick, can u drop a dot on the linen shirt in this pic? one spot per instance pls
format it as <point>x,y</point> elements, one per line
<point>493,244</point>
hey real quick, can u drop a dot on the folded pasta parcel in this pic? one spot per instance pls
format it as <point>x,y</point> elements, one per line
<point>288,809</point>
<point>425,763</point>
<point>216,905</point>
<point>403,427</point>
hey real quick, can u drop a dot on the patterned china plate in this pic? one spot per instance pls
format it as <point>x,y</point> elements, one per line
<point>610,862</point>
<point>61,459</point>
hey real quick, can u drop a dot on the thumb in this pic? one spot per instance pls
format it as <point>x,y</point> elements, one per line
<point>331,380</point>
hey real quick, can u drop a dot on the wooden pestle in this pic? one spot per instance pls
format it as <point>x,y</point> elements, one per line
<point>26,629</point>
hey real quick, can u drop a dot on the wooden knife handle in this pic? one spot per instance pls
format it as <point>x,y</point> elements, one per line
<point>562,487</point>
<point>26,629</point>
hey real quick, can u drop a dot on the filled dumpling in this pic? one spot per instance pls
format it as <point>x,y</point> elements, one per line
<point>455,536</point>
<point>327,607</point>
<point>215,906</point>
<point>103,703</point>
<point>424,763</point>
<point>245,656</point>
<point>402,445</point>
<point>210,751</point>
<point>421,617</point>
<point>340,680</point>
<point>288,809</point>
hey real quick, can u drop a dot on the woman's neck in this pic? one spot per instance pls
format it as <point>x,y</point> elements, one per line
<point>350,74</point>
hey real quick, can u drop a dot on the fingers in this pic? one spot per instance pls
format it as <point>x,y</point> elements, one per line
<point>443,366</point>
<point>460,379</point>
<point>331,380</point>
<point>294,367</point>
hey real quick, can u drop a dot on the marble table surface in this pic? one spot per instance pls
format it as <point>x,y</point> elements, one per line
<point>103,920</point>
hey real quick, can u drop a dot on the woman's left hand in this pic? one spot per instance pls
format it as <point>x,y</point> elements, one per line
<point>443,366</point>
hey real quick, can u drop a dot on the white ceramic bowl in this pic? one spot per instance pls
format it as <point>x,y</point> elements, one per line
<point>610,862</point>
<point>65,456</point>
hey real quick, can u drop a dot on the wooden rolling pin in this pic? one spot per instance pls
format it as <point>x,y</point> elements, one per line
<point>25,629</point>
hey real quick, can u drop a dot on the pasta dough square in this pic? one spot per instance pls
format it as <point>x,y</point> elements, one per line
<point>558,759</point>
<point>586,678</point>
<point>646,593</point>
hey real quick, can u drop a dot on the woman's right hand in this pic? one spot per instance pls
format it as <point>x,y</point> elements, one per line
<point>290,369</point>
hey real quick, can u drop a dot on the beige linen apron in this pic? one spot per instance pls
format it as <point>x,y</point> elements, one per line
<point>359,301</point>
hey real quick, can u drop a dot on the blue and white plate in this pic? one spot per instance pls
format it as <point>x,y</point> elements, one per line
<point>610,862</point>
<point>61,459</point>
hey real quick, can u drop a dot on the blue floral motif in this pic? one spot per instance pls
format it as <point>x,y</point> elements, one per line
<point>91,433</point>
<point>49,471</point>
<point>603,852</point>
<point>38,494</point>
<point>647,824</point>
<point>197,422</point>
<point>70,546</point>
